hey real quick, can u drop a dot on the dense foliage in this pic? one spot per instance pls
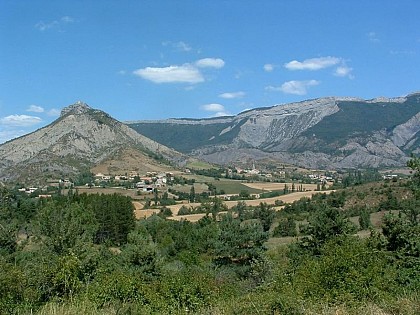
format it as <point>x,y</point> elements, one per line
<point>86,254</point>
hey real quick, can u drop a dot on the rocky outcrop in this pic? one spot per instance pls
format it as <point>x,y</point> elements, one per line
<point>80,138</point>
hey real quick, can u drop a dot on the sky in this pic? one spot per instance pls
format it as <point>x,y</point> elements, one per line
<point>147,60</point>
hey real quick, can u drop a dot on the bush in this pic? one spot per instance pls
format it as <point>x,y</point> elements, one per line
<point>286,227</point>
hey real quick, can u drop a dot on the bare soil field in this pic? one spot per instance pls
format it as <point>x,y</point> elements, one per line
<point>143,214</point>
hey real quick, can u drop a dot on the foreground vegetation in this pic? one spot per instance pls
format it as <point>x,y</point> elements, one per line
<point>80,254</point>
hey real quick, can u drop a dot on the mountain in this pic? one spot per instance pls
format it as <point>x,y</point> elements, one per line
<point>326,133</point>
<point>78,140</point>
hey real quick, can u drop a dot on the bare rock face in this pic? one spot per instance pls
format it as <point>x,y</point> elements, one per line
<point>283,122</point>
<point>80,138</point>
<point>331,132</point>
<point>404,133</point>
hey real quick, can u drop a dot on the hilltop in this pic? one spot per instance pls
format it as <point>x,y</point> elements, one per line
<point>81,138</point>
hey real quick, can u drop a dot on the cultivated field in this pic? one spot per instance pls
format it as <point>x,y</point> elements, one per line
<point>278,186</point>
<point>230,204</point>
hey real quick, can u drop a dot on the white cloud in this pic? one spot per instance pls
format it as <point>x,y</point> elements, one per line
<point>172,74</point>
<point>67,19</point>
<point>210,63</point>
<point>20,120</point>
<point>232,95</point>
<point>313,63</point>
<point>35,109</point>
<point>43,26</point>
<point>294,87</point>
<point>221,114</point>
<point>178,46</point>
<point>214,107</point>
<point>373,37</point>
<point>268,67</point>
<point>187,73</point>
<point>182,46</point>
<point>344,71</point>
<point>218,109</point>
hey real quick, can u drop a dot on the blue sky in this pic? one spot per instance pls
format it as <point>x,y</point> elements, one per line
<point>161,59</point>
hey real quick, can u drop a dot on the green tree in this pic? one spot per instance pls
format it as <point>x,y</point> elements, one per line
<point>326,223</point>
<point>192,194</point>
<point>63,226</point>
<point>265,214</point>
<point>141,253</point>
<point>364,219</point>
<point>239,242</point>
<point>8,237</point>
<point>286,227</point>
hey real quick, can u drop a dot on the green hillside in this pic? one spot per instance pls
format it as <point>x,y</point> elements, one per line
<point>361,119</point>
<point>187,137</point>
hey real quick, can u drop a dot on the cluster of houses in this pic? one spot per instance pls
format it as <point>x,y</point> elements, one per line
<point>320,178</point>
<point>390,176</point>
<point>145,183</point>
<point>63,183</point>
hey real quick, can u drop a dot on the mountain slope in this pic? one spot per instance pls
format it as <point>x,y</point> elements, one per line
<point>79,139</point>
<point>321,133</point>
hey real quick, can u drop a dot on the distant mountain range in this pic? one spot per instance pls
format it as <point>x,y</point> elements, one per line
<point>326,133</point>
<point>80,139</point>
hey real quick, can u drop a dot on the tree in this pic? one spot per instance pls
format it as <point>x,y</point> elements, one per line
<point>265,214</point>
<point>239,242</point>
<point>8,237</point>
<point>244,194</point>
<point>114,215</point>
<point>141,252</point>
<point>364,219</point>
<point>217,205</point>
<point>327,223</point>
<point>63,226</point>
<point>240,210</point>
<point>286,227</point>
<point>192,193</point>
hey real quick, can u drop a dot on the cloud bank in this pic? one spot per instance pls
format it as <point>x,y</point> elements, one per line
<point>186,73</point>
<point>294,87</point>
<point>20,121</point>
<point>172,74</point>
<point>313,63</point>
<point>44,26</point>
<point>231,95</point>
<point>217,109</point>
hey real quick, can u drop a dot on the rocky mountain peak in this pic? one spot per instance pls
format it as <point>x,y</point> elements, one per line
<point>77,108</point>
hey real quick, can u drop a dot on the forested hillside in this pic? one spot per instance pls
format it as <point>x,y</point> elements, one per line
<point>80,254</point>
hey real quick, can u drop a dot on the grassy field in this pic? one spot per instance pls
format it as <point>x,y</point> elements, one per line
<point>279,186</point>
<point>230,186</point>
<point>199,165</point>
<point>107,191</point>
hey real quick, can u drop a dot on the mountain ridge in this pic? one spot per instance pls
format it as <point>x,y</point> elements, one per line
<point>330,132</point>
